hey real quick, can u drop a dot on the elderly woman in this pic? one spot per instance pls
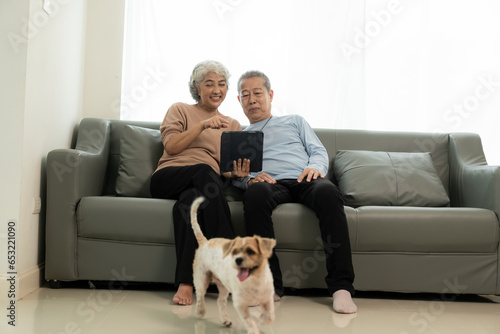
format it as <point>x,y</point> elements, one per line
<point>189,167</point>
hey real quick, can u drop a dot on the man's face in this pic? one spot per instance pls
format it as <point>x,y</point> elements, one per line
<point>255,99</point>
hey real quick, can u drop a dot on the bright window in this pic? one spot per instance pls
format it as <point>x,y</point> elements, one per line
<point>408,65</point>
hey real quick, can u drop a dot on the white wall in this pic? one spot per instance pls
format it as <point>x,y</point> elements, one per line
<point>12,105</point>
<point>103,59</point>
<point>47,70</point>
<point>42,59</point>
<point>53,105</point>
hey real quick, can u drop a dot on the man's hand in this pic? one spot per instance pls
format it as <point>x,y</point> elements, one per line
<point>262,177</point>
<point>241,168</point>
<point>310,174</point>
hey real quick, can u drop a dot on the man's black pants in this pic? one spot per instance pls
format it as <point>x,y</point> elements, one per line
<point>324,198</point>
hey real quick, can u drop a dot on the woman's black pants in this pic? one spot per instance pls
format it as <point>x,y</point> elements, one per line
<point>184,184</point>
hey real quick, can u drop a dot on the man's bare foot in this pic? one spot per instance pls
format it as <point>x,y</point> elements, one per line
<point>343,303</point>
<point>184,295</point>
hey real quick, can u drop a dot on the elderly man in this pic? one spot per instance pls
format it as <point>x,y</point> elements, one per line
<point>294,165</point>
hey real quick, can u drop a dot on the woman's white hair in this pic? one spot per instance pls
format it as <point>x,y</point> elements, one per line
<point>201,70</point>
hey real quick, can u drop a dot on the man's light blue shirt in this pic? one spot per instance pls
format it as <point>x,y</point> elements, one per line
<point>290,146</point>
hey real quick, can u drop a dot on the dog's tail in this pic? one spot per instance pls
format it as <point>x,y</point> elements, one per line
<point>194,221</point>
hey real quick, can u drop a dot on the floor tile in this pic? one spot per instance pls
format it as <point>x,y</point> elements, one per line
<point>150,310</point>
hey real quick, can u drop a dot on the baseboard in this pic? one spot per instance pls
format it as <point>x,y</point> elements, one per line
<point>30,281</point>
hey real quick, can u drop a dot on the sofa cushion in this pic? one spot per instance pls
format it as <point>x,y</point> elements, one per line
<point>389,178</point>
<point>145,220</point>
<point>140,150</point>
<point>372,229</point>
<point>425,230</point>
<point>296,227</point>
<point>135,220</point>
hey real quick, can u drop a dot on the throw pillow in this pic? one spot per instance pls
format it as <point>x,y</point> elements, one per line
<point>388,178</point>
<point>140,150</point>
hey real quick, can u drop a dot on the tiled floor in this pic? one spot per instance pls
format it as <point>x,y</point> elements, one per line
<point>73,310</point>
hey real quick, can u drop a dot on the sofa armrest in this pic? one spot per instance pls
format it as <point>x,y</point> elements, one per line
<point>473,183</point>
<point>71,175</point>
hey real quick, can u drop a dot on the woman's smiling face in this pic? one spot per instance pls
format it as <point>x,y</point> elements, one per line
<point>212,91</point>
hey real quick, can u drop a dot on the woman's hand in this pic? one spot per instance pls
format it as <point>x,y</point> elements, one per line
<point>215,122</point>
<point>181,141</point>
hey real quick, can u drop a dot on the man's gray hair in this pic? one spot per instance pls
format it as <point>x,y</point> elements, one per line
<point>254,74</point>
<point>201,70</point>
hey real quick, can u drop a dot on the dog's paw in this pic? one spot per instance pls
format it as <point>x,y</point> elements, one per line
<point>267,318</point>
<point>253,331</point>
<point>224,319</point>
<point>200,310</point>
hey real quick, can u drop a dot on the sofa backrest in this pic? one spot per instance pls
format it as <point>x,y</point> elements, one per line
<point>333,139</point>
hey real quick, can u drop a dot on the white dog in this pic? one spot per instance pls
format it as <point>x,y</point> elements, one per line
<point>239,266</point>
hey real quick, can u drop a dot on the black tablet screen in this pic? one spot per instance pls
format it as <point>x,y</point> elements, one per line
<point>241,144</point>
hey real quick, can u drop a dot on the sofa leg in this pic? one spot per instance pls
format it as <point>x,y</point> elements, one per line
<point>55,284</point>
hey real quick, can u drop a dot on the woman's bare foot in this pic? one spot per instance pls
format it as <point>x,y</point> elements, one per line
<point>343,303</point>
<point>184,295</point>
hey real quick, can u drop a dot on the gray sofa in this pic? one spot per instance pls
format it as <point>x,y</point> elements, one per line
<point>102,224</point>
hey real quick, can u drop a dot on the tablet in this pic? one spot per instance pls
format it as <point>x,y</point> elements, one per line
<point>236,145</point>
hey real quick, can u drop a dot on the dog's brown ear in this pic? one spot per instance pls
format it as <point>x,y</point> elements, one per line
<point>266,245</point>
<point>227,247</point>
